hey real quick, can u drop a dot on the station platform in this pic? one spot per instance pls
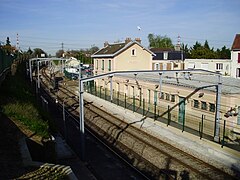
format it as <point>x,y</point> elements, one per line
<point>208,151</point>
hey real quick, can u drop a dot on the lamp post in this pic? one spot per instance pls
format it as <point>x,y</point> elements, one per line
<point>81,115</point>
<point>218,105</point>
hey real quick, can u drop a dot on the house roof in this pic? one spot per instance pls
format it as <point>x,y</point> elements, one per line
<point>236,42</point>
<point>156,50</point>
<point>112,50</point>
<point>198,79</point>
<point>172,54</point>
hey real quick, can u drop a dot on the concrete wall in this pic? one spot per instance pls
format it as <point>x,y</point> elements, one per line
<point>151,93</point>
<point>126,61</point>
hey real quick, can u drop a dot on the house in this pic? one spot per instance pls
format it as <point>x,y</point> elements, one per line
<point>72,62</point>
<point>227,67</point>
<point>123,56</point>
<point>167,59</point>
<point>235,57</point>
<point>216,65</point>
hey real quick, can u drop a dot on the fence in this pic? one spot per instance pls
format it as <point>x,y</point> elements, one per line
<point>202,126</point>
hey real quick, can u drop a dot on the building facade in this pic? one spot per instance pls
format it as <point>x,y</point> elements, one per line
<point>189,102</point>
<point>235,57</point>
<point>125,56</point>
<point>216,65</point>
<point>167,59</point>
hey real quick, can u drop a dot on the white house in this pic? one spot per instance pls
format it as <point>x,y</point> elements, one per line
<point>221,65</point>
<point>235,57</point>
<point>72,62</point>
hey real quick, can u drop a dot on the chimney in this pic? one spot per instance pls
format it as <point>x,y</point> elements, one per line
<point>105,44</point>
<point>138,40</point>
<point>128,40</point>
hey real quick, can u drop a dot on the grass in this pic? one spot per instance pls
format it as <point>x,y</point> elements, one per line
<point>17,101</point>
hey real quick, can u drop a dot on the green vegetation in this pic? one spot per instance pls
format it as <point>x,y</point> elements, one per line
<point>158,41</point>
<point>197,51</point>
<point>18,102</point>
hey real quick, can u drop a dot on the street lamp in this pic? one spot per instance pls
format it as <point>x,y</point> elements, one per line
<point>81,114</point>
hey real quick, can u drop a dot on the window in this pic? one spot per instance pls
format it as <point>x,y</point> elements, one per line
<point>165,55</point>
<point>109,65</point>
<point>238,72</point>
<point>157,66</point>
<point>172,98</point>
<point>195,103</point>
<point>238,117</point>
<point>96,64</point>
<point>219,66</point>
<point>149,96</point>
<point>238,57</point>
<point>203,105</point>
<point>102,64</point>
<point>126,89</point>
<point>211,107</point>
<point>161,96</point>
<point>167,97</point>
<point>133,52</point>
<point>155,97</point>
<point>204,66</point>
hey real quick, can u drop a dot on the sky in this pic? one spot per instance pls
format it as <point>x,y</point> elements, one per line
<point>80,24</point>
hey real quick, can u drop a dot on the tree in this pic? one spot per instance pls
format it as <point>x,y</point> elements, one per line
<point>158,41</point>
<point>7,47</point>
<point>186,51</point>
<point>224,53</point>
<point>59,53</point>
<point>206,46</point>
<point>29,51</point>
<point>8,42</point>
<point>202,52</point>
<point>93,49</point>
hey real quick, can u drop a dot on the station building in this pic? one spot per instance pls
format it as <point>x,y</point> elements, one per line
<point>183,92</point>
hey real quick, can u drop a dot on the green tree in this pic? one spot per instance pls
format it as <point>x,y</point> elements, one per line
<point>184,48</point>
<point>202,52</point>
<point>29,51</point>
<point>224,53</point>
<point>59,53</point>
<point>7,47</point>
<point>158,41</point>
<point>206,45</point>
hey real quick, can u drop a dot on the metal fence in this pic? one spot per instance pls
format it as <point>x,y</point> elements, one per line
<point>202,126</point>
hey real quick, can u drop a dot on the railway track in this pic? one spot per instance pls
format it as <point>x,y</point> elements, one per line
<point>74,114</point>
<point>183,162</point>
<point>140,144</point>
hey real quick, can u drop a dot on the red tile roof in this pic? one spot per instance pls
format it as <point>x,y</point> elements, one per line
<point>236,42</point>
